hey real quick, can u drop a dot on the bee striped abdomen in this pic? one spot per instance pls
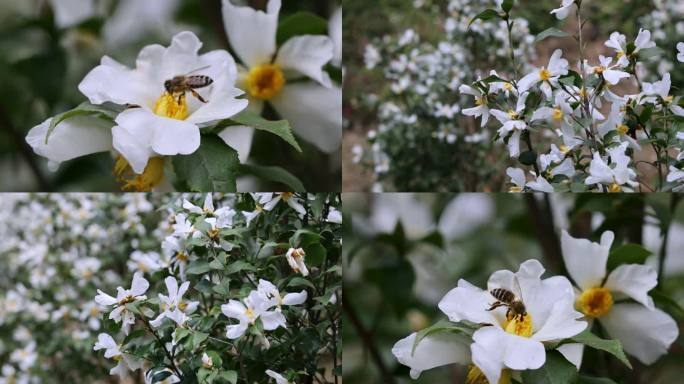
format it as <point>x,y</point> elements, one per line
<point>503,295</point>
<point>199,81</point>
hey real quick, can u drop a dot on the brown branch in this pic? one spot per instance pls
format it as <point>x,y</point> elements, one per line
<point>542,221</point>
<point>367,339</point>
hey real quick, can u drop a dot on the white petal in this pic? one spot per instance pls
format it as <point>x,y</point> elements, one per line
<point>585,260</point>
<point>222,102</point>
<point>71,12</point>
<point>252,33</point>
<point>573,352</point>
<point>233,309</point>
<point>171,286</point>
<point>104,299</point>
<point>335,32</point>
<point>315,113</point>
<point>277,376</point>
<point>645,334</point>
<point>464,213</point>
<point>239,137</point>
<point>113,82</point>
<point>180,57</point>
<point>468,302</point>
<point>635,281</point>
<point>72,138</point>
<point>431,352</point>
<point>295,298</point>
<point>562,319</point>
<point>139,285</point>
<point>237,330</point>
<point>273,320</point>
<point>307,55</point>
<point>495,349</point>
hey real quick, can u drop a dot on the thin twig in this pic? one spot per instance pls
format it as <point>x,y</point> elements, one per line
<point>542,221</point>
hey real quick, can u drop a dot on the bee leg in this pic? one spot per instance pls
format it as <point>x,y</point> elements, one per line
<point>180,98</point>
<point>496,305</point>
<point>198,96</point>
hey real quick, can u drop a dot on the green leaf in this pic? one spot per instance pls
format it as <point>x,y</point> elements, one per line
<point>627,254</point>
<point>551,32</point>
<point>301,23</point>
<point>300,282</point>
<point>556,370</point>
<point>280,128</point>
<point>198,338</point>
<point>223,288</point>
<point>161,376</point>
<point>528,158</point>
<point>315,254</point>
<point>667,304</point>
<point>648,53</point>
<point>240,266</point>
<point>487,14</point>
<point>507,5</point>
<point>275,174</point>
<point>181,333</point>
<point>133,335</point>
<point>229,376</point>
<point>442,326</point>
<point>614,347</point>
<point>198,268</point>
<point>98,113</point>
<point>213,167</point>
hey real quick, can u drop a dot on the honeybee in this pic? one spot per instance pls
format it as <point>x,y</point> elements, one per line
<point>178,85</point>
<point>506,298</point>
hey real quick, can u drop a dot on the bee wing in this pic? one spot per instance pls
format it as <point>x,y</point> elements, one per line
<point>518,292</point>
<point>197,70</point>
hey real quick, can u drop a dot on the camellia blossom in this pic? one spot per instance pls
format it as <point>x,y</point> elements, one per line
<point>173,306</point>
<point>125,361</point>
<point>507,340</point>
<point>273,74</point>
<point>562,12</point>
<point>547,76</point>
<point>253,307</point>
<point>607,71</point>
<point>645,331</point>
<point>271,293</point>
<point>513,123</point>
<point>295,257</point>
<point>124,296</point>
<point>155,122</point>
<point>618,42</point>
<point>279,379</point>
<point>614,178</point>
<point>481,108</point>
<point>661,89</point>
<point>517,176</point>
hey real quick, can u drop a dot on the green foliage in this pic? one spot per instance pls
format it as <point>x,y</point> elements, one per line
<point>556,370</point>
<point>213,167</point>
<point>614,347</point>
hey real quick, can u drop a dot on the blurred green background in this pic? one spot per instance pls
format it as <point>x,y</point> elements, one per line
<point>41,65</point>
<point>403,252</point>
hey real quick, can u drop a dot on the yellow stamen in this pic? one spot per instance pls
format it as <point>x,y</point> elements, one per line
<point>615,188</point>
<point>181,256</point>
<point>599,70</point>
<point>513,114</point>
<point>475,376</point>
<point>286,195</point>
<point>583,93</point>
<point>482,100</point>
<point>544,74</point>
<point>515,189</point>
<point>669,99</point>
<point>151,177</point>
<point>622,129</point>
<point>564,149</point>
<point>508,86</point>
<point>620,54</point>
<point>249,313</point>
<point>183,306</point>
<point>519,325</point>
<point>172,106</point>
<point>595,302</point>
<point>94,312</point>
<point>265,81</point>
<point>557,114</point>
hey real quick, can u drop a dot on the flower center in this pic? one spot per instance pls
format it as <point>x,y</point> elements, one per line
<point>623,129</point>
<point>557,114</point>
<point>172,106</point>
<point>151,177</point>
<point>513,114</point>
<point>620,54</point>
<point>475,376</point>
<point>183,306</point>
<point>265,81</point>
<point>599,70</point>
<point>181,256</point>
<point>544,74</point>
<point>126,300</point>
<point>669,99</point>
<point>615,188</point>
<point>564,148</point>
<point>482,100</point>
<point>583,93</point>
<point>595,302</point>
<point>286,196</point>
<point>515,189</point>
<point>508,86</point>
<point>520,325</point>
<point>249,313</point>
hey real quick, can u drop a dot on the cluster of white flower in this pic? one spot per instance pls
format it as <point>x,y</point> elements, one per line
<point>143,116</point>
<point>422,105</point>
<point>513,324</point>
<point>666,22</point>
<point>592,150</point>
<point>49,240</point>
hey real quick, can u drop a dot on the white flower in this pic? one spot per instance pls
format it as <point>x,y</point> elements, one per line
<point>481,108</point>
<point>145,262</point>
<point>314,110</point>
<point>295,257</point>
<point>268,201</point>
<point>207,362</point>
<point>675,174</point>
<point>335,33</point>
<point>182,226</point>
<point>171,379</point>
<point>85,268</point>
<point>517,176</point>
<point>604,69</point>
<point>160,123</point>
<point>334,216</point>
<point>133,19</point>
<point>662,89</point>
<point>71,12</point>
<point>680,54</point>
<point>548,76</point>
<point>25,357</point>
<point>616,177</point>
<point>562,12</point>
<point>208,208</point>
<point>246,312</point>
<point>173,305</point>
<point>645,331</point>
<point>279,379</point>
<point>513,121</point>
<point>125,363</point>
<point>124,296</point>
<point>272,295</point>
<point>618,42</point>
<point>511,341</point>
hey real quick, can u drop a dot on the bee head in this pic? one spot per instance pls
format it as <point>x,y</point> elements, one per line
<point>167,85</point>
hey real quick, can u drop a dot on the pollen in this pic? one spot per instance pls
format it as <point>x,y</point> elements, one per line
<point>515,189</point>
<point>475,376</point>
<point>151,177</point>
<point>564,149</point>
<point>286,195</point>
<point>620,54</point>
<point>622,129</point>
<point>595,302</point>
<point>583,93</point>
<point>669,99</point>
<point>544,74</point>
<point>265,81</point>
<point>173,107</point>
<point>557,114</point>
<point>599,70</point>
<point>480,101</point>
<point>249,313</point>
<point>520,325</point>
<point>615,188</point>
<point>508,86</point>
<point>513,114</point>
